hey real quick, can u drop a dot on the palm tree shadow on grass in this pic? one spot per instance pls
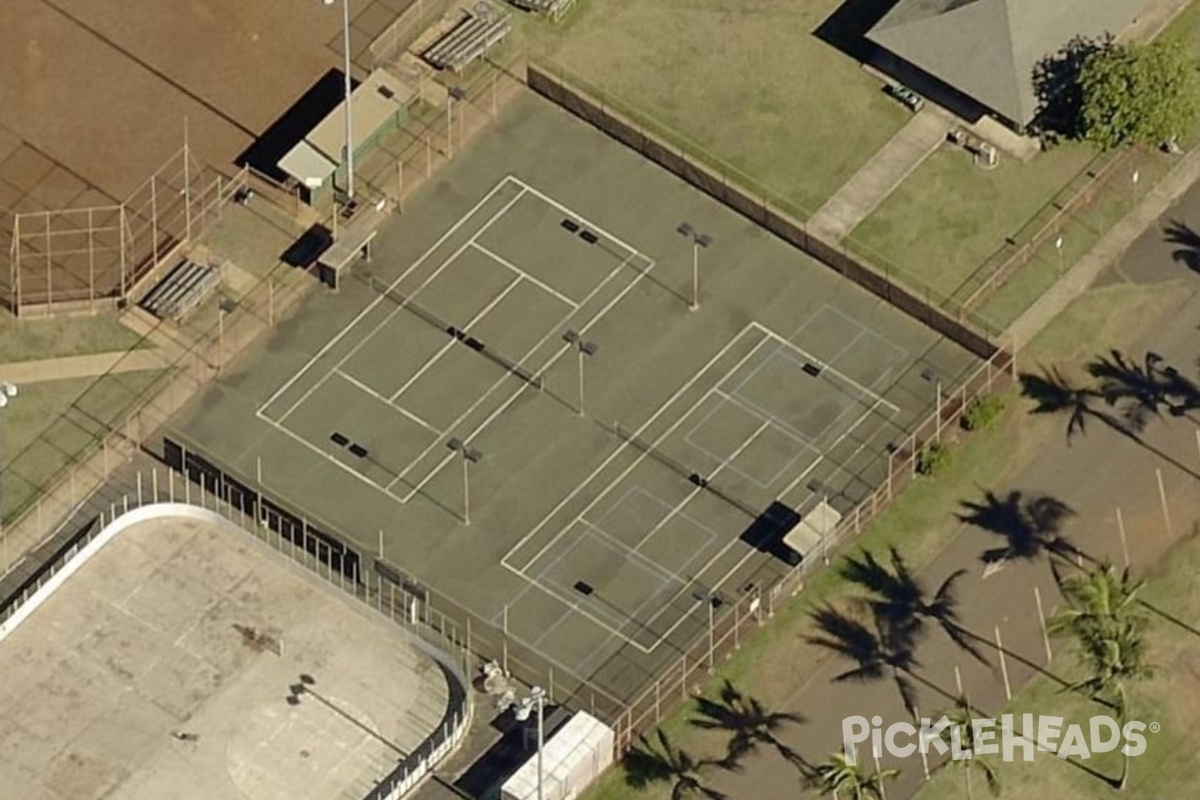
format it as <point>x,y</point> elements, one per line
<point>749,725</point>
<point>899,599</point>
<point>1052,393</point>
<point>650,763</point>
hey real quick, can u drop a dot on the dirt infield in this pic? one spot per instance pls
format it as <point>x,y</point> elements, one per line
<point>103,88</point>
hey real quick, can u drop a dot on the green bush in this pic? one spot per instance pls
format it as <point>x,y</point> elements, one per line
<point>983,413</point>
<point>934,459</point>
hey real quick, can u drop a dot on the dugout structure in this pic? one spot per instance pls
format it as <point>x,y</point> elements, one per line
<point>81,260</point>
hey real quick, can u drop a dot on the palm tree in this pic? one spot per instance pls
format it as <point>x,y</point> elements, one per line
<point>899,598</point>
<point>1113,659</point>
<point>748,722</point>
<point>841,777</point>
<point>960,720</point>
<point>1144,389</point>
<point>1104,617</point>
<point>876,653</point>
<point>647,764</point>
<point>1098,600</point>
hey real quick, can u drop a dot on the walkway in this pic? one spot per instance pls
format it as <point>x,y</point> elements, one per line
<point>880,176</point>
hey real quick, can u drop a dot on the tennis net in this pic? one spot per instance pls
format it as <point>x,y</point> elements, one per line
<point>690,475</point>
<point>408,304</point>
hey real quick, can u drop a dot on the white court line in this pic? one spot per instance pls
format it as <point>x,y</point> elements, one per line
<point>624,445</point>
<point>392,314</point>
<point>551,201</point>
<point>370,306</point>
<point>404,411</point>
<point>679,506</point>
<point>620,618</point>
<point>523,274</point>
<point>824,366</point>
<point>327,456</point>
<point>863,331</point>
<point>549,363</point>
<point>789,435</point>
<point>450,341</point>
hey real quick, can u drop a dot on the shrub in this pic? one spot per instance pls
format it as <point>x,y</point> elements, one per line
<point>983,413</point>
<point>934,459</point>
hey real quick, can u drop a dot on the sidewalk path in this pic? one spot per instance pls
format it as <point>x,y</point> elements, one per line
<point>1107,250</point>
<point>880,176</point>
<point>64,367</point>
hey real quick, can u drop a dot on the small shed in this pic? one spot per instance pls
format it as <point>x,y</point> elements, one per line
<point>571,760</point>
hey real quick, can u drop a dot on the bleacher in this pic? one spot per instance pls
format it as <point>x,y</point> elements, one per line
<point>554,9</point>
<point>481,28</point>
<point>184,288</point>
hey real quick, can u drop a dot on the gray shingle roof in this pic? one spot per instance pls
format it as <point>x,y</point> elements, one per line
<point>987,49</point>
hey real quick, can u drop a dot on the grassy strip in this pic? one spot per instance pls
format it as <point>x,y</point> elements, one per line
<point>34,339</point>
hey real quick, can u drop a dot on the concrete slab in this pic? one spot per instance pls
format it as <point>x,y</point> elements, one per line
<point>138,679</point>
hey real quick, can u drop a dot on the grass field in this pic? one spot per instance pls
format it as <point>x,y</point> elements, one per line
<point>949,215</point>
<point>1169,766</point>
<point>761,92</point>
<point>921,522</point>
<point>42,435</point>
<point>26,340</point>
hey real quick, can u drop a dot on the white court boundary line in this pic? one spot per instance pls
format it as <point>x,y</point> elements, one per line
<point>803,446</point>
<point>645,263</point>
<point>768,419</point>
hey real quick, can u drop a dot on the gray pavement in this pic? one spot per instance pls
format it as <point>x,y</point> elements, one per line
<point>880,176</point>
<point>136,678</point>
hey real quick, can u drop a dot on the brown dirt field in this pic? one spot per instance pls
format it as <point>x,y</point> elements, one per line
<point>97,91</point>
<point>103,87</point>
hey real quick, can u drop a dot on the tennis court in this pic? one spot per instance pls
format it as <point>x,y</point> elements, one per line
<point>533,311</point>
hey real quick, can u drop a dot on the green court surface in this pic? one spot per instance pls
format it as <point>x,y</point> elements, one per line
<point>598,538</point>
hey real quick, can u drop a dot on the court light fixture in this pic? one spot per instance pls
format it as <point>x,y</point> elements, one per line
<point>699,240</point>
<point>8,393</point>
<point>349,89</point>
<point>584,348</point>
<point>469,456</point>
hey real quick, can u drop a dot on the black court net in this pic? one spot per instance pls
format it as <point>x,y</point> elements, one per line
<point>692,476</point>
<point>460,334</point>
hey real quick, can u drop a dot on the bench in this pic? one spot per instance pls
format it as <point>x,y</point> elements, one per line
<point>480,29</point>
<point>907,96</point>
<point>185,287</point>
<point>553,9</point>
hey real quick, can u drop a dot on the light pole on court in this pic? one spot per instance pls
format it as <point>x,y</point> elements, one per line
<point>712,600</point>
<point>521,710</point>
<point>8,393</point>
<point>348,91</point>
<point>469,456</point>
<point>931,375</point>
<point>584,348</point>
<point>453,94</point>
<point>1058,245</point>
<point>687,230</point>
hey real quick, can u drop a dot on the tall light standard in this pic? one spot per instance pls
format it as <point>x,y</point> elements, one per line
<point>453,94</point>
<point>699,240</point>
<point>584,348</point>
<point>349,91</point>
<point>1058,245</point>
<point>8,392</point>
<point>521,710</point>
<point>469,456</point>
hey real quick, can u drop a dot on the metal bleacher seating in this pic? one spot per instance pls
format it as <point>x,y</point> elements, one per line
<point>481,28</point>
<point>549,8</point>
<point>184,288</point>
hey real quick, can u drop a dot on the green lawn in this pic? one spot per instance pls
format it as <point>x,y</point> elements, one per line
<point>921,521</point>
<point>949,216</point>
<point>53,423</point>
<point>1169,767</point>
<point>754,86</point>
<point>26,340</point>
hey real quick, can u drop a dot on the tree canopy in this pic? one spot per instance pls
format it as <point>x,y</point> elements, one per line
<point>1137,93</point>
